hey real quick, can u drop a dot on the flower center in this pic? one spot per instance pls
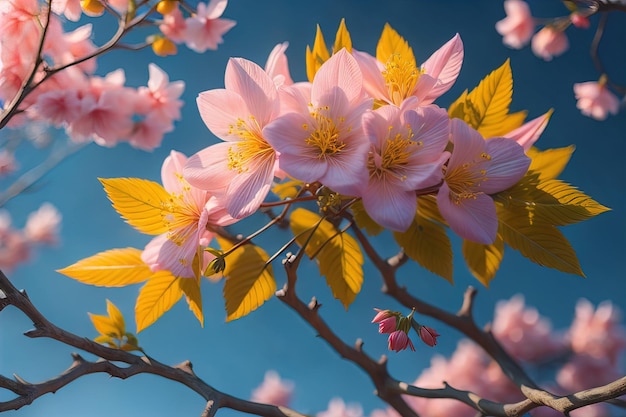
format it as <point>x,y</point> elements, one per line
<point>394,155</point>
<point>326,135</point>
<point>464,181</point>
<point>400,77</point>
<point>251,147</point>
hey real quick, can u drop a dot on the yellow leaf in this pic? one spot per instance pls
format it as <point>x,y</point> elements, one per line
<point>143,204</point>
<point>486,108</point>
<point>391,43</point>
<point>427,243</point>
<point>342,38</point>
<point>249,283</point>
<point>193,295</point>
<point>427,207</point>
<point>156,297</point>
<point>316,57</point>
<point>287,189</point>
<point>111,268</point>
<point>111,325</point>
<point>549,163</point>
<point>551,201</point>
<point>538,240</point>
<point>364,221</point>
<point>338,254</point>
<point>484,261</point>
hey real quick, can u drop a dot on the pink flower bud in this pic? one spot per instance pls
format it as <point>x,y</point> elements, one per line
<point>580,21</point>
<point>399,340</point>
<point>382,315</point>
<point>549,42</point>
<point>428,335</point>
<point>387,325</point>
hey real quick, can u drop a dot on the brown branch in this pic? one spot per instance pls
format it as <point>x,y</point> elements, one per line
<point>183,373</point>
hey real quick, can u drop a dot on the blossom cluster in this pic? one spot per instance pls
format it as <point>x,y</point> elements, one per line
<point>586,355</point>
<point>364,127</point>
<point>50,73</point>
<point>518,29</point>
<point>42,227</point>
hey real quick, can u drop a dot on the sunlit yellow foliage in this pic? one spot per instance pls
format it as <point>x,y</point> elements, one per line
<point>319,54</point>
<point>249,281</point>
<point>112,330</point>
<point>338,254</point>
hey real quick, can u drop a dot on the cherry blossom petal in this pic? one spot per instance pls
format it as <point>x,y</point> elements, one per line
<point>254,85</point>
<point>444,65</point>
<point>388,206</point>
<point>208,169</point>
<point>508,165</point>
<point>340,71</point>
<point>220,110</point>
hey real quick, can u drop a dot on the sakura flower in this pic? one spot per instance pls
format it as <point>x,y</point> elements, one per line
<point>204,30</point>
<point>406,154</point>
<point>324,141</point>
<point>399,340</point>
<point>580,21</point>
<point>518,26</point>
<point>476,169</point>
<point>338,408</point>
<point>161,96</point>
<point>273,390</point>
<point>174,26</point>
<point>595,99</point>
<point>69,8</point>
<point>14,249</point>
<point>240,170</point>
<point>277,66</point>
<point>523,332</point>
<point>585,371</point>
<point>42,226</point>
<point>395,76</point>
<point>597,332</point>
<point>549,42</point>
<point>191,210</point>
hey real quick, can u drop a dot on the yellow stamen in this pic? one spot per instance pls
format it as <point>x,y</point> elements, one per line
<point>394,155</point>
<point>400,77</point>
<point>252,145</point>
<point>464,181</point>
<point>326,136</point>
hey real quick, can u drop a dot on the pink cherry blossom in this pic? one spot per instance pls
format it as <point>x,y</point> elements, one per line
<point>42,226</point>
<point>406,154</point>
<point>174,26</point>
<point>399,340</point>
<point>527,134</point>
<point>241,169</point>
<point>338,408</point>
<point>523,333</point>
<point>277,66</point>
<point>597,332</point>
<point>518,26</point>
<point>595,100</point>
<point>428,335</point>
<point>205,29</point>
<point>585,371</point>
<point>476,169</point>
<point>273,390</point>
<point>192,210</point>
<point>14,248</point>
<point>324,141</point>
<point>395,81</point>
<point>161,96</point>
<point>549,42</point>
<point>382,315</point>
<point>580,21</point>
<point>69,8</point>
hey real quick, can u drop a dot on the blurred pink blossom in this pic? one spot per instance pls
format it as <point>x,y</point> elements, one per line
<point>523,332</point>
<point>584,371</point>
<point>595,100</point>
<point>338,408</point>
<point>14,248</point>
<point>518,26</point>
<point>8,164</point>
<point>549,42</point>
<point>204,29</point>
<point>580,21</point>
<point>273,390</point>
<point>42,226</point>
<point>597,332</point>
<point>174,26</point>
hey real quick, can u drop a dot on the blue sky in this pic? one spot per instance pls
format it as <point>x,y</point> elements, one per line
<point>233,357</point>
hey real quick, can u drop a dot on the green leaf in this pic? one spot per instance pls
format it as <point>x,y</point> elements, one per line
<point>249,282</point>
<point>486,107</point>
<point>338,254</point>
<point>143,204</point>
<point>484,261</point>
<point>427,243</point>
<point>111,268</point>
<point>537,240</point>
